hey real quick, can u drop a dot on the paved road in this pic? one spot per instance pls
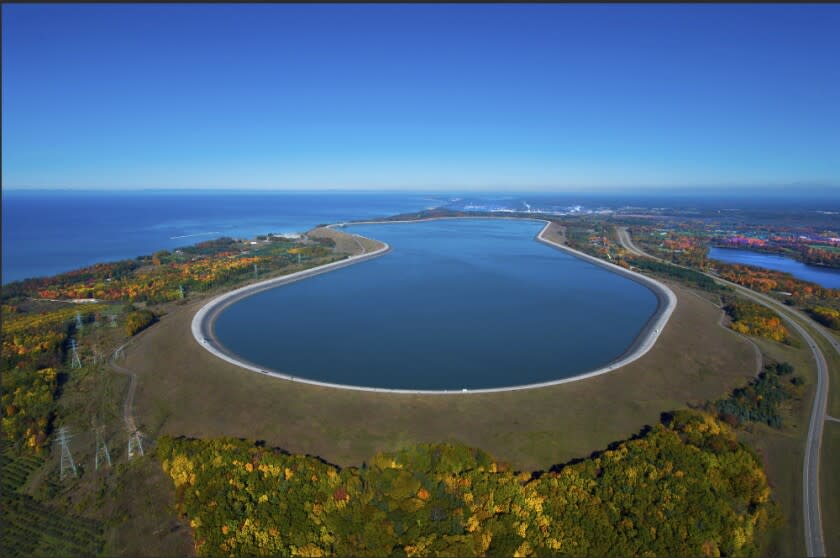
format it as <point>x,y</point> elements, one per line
<point>814,541</point>
<point>627,242</point>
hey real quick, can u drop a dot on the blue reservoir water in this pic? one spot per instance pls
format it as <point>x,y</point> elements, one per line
<point>45,233</point>
<point>823,276</point>
<point>455,304</point>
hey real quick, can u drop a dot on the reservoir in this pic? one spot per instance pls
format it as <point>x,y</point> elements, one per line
<point>455,304</point>
<point>823,276</point>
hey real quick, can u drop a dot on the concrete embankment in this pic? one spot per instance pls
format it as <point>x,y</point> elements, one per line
<point>203,320</point>
<point>666,303</point>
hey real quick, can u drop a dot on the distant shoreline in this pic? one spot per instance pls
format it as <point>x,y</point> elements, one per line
<point>203,320</point>
<point>812,266</point>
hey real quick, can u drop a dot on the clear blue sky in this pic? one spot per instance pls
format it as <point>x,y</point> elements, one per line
<point>531,97</point>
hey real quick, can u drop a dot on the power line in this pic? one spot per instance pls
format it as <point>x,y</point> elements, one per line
<point>67,463</point>
<point>134,443</point>
<point>76,361</point>
<point>102,452</point>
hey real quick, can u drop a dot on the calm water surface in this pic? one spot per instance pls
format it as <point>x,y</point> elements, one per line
<point>823,276</point>
<point>455,304</point>
<point>51,232</point>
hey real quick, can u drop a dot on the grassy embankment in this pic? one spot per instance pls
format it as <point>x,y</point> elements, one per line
<point>140,498</point>
<point>200,396</point>
<point>829,482</point>
<point>111,511</point>
<point>831,488</point>
<point>132,499</point>
<point>127,509</point>
<point>345,243</point>
<point>784,449</point>
<point>184,390</point>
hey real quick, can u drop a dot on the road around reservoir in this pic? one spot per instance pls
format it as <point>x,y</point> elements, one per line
<point>202,324</point>
<point>814,541</point>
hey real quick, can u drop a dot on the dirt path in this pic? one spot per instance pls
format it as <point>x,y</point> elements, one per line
<point>759,358</point>
<point>128,402</point>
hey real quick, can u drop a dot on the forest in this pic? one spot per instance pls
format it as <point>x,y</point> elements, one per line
<point>685,487</point>
<point>165,276</point>
<point>766,281</point>
<point>35,339</point>
<point>687,251</point>
<point>684,249</point>
<point>686,276</point>
<point>812,255</point>
<point>35,344</point>
<point>138,320</point>
<point>750,318</point>
<point>761,400</point>
<point>828,317</point>
<point>688,247</point>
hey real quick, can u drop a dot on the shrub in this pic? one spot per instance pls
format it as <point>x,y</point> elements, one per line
<point>139,320</point>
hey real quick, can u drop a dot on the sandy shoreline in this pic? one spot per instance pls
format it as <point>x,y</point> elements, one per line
<point>202,323</point>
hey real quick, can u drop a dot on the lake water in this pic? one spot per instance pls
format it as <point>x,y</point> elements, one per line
<point>45,233</point>
<point>49,232</point>
<point>455,304</point>
<point>823,276</point>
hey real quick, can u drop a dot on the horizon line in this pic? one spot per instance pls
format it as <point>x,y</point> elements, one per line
<point>676,188</point>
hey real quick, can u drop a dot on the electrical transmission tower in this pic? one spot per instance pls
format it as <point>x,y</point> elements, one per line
<point>79,324</point>
<point>181,290</point>
<point>256,275</point>
<point>63,440</point>
<point>298,257</point>
<point>76,362</point>
<point>134,443</point>
<point>102,452</point>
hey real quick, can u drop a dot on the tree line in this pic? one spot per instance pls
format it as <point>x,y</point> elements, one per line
<point>685,487</point>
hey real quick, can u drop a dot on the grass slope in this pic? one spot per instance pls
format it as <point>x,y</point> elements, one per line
<point>183,390</point>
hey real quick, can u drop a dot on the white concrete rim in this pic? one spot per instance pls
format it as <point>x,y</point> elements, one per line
<point>667,302</point>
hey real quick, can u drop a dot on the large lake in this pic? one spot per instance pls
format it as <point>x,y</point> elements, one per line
<point>455,304</point>
<point>823,276</point>
<point>51,232</point>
